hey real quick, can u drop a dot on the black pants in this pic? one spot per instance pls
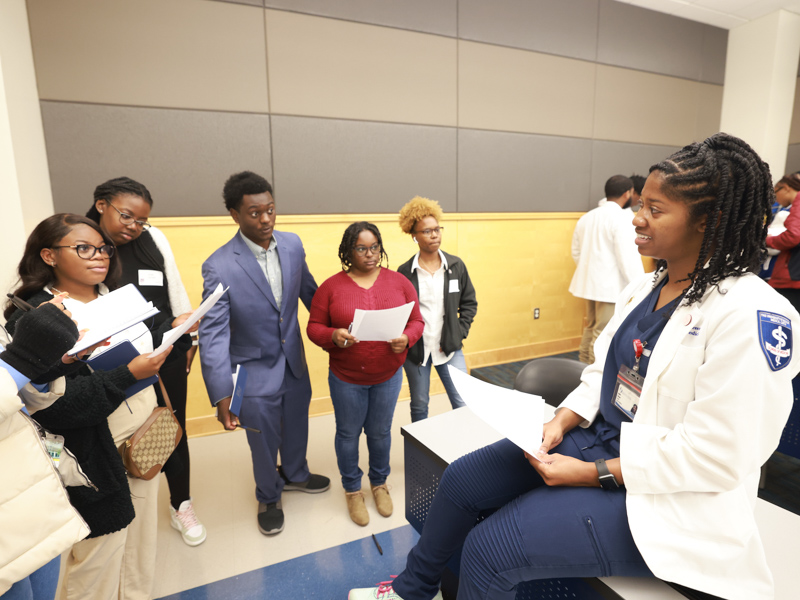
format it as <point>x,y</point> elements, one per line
<point>173,374</point>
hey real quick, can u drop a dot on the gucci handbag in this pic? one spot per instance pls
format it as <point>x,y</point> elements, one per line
<point>146,451</point>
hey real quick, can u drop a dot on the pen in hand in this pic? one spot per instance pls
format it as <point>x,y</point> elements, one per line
<point>253,429</point>
<point>19,303</point>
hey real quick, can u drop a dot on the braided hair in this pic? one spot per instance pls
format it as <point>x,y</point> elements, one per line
<point>723,179</point>
<point>350,239</point>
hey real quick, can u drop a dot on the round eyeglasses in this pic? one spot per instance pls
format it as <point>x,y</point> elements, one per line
<point>362,250</point>
<point>127,219</point>
<point>87,251</point>
<point>430,232</point>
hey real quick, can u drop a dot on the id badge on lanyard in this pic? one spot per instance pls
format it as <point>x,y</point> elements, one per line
<point>628,388</point>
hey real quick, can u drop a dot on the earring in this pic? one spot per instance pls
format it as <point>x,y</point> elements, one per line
<point>415,239</point>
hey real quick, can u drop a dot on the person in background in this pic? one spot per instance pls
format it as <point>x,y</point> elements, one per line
<point>30,553</point>
<point>68,254</point>
<point>786,271</point>
<point>121,208</point>
<point>255,325</point>
<point>606,259</point>
<point>638,185</point>
<point>668,491</point>
<point>446,300</point>
<point>364,377</point>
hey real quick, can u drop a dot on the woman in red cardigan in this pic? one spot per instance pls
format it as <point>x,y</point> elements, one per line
<point>784,278</point>
<point>364,377</point>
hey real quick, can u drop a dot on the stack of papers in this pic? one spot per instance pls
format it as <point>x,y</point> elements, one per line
<point>380,325</point>
<point>173,334</point>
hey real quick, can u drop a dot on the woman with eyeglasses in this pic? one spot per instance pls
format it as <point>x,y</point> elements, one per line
<point>121,208</point>
<point>447,303</point>
<point>71,255</point>
<point>364,377</point>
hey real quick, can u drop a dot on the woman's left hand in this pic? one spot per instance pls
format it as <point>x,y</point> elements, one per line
<point>399,344</point>
<point>565,471</point>
<point>182,318</point>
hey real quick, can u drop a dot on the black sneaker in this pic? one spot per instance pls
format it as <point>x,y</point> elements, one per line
<point>270,518</point>
<point>315,484</point>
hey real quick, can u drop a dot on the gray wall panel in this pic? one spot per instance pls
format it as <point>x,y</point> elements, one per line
<point>643,39</point>
<point>250,2</point>
<point>565,28</point>
<point>715,51</point>
<point>182,156</point>
<point>417,15</point>
<point>792,160</point>
<point>618,158</point>
<point>516,172</point>
<point>336,166</point>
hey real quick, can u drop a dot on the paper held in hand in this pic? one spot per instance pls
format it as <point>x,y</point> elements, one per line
<point>513,414</point>
<point>109,314</point>
<point>380,325</point>
<point>173,334</point>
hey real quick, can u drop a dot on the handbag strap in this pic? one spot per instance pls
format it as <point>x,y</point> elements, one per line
<point>166,396</point>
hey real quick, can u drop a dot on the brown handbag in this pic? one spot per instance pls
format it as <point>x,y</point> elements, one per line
<point>146,451</point>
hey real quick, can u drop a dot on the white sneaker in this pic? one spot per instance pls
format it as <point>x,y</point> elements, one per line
<point>384,591</point>
<point>185,521</point>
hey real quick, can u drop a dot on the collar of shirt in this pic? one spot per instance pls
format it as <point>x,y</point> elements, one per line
<point>255,248</point>
<point>415,262</point>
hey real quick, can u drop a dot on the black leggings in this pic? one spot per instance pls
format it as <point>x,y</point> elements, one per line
<point>174,376</point>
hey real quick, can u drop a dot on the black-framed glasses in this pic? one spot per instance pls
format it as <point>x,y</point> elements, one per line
<point>362,250</point>
<point>127,219</point>
<point>430,232</point>
<point>87,251</point>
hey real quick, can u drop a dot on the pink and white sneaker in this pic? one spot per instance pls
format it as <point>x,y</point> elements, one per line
<point>384,591</point>
<point>185,521</point>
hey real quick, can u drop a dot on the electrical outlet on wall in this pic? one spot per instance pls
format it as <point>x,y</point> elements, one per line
<point>535,313</point>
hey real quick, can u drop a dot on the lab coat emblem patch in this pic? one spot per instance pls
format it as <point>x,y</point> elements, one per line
<point>775,335</point>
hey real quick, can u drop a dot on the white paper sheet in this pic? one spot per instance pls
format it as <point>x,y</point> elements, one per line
<point>513,414</point>
<point>380,325</point>
<point>173,334</point>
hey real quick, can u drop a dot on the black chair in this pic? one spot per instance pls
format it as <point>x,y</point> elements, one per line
<point>552,378</point>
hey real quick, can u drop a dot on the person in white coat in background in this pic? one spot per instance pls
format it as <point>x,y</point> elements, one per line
<point>605,257</point>
<point>651,466</point>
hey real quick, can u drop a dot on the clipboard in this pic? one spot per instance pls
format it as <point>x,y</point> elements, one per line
<point>120,354</point>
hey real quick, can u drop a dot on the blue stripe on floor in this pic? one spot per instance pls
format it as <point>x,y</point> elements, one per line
<point>323,575</point>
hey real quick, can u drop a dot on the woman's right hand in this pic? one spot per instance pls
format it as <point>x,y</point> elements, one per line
<point>552,436</point>
<point>143,366</point>
<point>343,339</point>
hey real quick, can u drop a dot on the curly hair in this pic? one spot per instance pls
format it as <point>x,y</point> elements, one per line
<point>723,179</point>
<point>417,209</point>
<point>243,184</point>
<point>350,238</point>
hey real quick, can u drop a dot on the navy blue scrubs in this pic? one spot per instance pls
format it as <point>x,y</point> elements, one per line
<point>539,532</point>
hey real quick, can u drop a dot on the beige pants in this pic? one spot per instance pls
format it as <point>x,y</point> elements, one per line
<point>598,314</point>
<point>120,565</point>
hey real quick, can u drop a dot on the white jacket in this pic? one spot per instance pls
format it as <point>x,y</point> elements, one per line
<point>605,253</point>
<point>37,521</point>
<point>711,413</point>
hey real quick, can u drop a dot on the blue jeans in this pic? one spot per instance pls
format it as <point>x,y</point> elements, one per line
<point>39,585</point>
<point>419,384</point>
<point>367,407</point>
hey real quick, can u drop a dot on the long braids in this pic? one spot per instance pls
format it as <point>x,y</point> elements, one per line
<point>724,179</point>
<point>350,238</point>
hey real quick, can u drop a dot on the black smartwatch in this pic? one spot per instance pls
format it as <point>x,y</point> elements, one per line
<point>607,479</point>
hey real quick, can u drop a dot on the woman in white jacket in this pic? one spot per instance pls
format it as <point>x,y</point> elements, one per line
<point>651,466</point>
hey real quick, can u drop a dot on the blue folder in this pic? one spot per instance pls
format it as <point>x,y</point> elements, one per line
<point>121,354</point>
<point>238,390</point>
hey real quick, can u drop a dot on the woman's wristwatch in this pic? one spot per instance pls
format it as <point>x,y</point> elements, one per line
<point>607,479</point>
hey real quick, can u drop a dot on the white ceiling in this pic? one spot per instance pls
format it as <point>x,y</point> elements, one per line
<point>720,13</point>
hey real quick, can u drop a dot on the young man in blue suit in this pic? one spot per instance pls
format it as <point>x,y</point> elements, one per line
<point>255,325</point>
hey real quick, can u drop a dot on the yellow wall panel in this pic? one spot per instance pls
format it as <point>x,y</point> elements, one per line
<point>181,53</point>
<point>633,106</point>
<point>516,90</point>
<point>517,262</point>
<point>330,68</point>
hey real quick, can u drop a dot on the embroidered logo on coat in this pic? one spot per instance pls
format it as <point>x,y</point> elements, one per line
<point>775,335</point>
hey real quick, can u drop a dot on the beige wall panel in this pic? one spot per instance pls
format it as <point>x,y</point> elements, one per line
<point>181,53</point>
<point>709,110</point>
<point>633,106</point>
<point>794,135</point>
<point>517,90</point>
<point>329,68</point>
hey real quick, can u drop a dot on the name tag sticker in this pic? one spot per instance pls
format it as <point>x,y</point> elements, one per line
<point>454,286</point>
<point>151,278</point>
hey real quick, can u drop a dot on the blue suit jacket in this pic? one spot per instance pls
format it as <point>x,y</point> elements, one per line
<point>245,326</point>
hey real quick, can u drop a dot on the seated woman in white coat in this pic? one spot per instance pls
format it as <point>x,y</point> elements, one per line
<point>651,466</point>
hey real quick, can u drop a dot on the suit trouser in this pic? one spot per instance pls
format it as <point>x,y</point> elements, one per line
<point>598,314</point>
<point>283,421</point>
<point>539,532</point>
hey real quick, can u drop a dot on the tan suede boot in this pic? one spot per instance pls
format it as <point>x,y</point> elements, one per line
<point>357,508</point>
<point>382,500</point>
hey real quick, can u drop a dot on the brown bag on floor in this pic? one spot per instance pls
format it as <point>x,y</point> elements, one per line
<point>146,451</point>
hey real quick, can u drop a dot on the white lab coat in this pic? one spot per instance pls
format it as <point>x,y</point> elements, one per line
<point>605,253</point>
<point>711,413</point>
